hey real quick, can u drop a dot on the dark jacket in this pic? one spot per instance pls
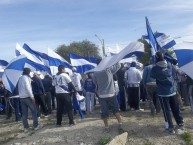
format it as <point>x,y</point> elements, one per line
<point>37,86</point>
<point>47,83</point>
<point>89,85</point>
<point>162,72</point>
<point>120,76</point>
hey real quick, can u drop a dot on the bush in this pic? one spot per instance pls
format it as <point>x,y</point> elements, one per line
<point>104,140</point>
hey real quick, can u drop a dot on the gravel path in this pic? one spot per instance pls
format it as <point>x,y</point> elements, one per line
<point>142,129</point>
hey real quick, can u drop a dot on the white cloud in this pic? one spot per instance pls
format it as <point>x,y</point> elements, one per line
<point>151,5</point>
<point>3,2</point>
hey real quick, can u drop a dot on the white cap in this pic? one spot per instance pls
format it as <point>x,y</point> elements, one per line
<point>74,69</point>
<point>37,73</point>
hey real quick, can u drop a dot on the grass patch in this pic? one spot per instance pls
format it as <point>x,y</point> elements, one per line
<point>8,139</point>
<point>104,140</point>
<point>187,137</point>
<point>122,131</point>
<point>147,142</point>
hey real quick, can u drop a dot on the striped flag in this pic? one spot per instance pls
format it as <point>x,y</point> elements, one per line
<point>164,41</point>
<point>83,64</point>
<point>55,60</point>
<point>3,65</point>
<point>133,49</point>
<point>35,59</point>
<point>13,72</point>
<point>152,40</point>
<point>184,54</point>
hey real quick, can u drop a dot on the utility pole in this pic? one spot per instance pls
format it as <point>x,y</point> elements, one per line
<point>103,44</point>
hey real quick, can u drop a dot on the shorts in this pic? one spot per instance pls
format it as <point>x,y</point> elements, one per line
<point>107,104</point>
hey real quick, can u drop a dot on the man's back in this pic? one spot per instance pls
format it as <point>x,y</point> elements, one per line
<point>104,81</point>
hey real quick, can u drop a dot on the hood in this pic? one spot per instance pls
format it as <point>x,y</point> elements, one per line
<point>162,64</point>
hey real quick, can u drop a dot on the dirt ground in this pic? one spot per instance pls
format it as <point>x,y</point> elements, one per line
<point>142,128</point>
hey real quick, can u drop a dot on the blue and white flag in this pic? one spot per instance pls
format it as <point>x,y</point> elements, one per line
<point>184,54</point>
<point>55,60</point>
<point>13,72</point>
<point>168,57</point>
<point>3,64</point>
<point>133,49</point>
<point>83,64</point>
<point>164,41</point>
<point>152,40</point>
<point>35,59</point>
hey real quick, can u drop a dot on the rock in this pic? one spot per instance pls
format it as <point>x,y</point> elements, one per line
<point>119,140</point>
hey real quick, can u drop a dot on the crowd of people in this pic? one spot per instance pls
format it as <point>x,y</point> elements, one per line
<point>118,88</point>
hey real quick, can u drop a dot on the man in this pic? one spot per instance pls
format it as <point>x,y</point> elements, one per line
<point>27,100</point>
<point>120,77</point>
<point>39,94</point>
<point>176,75</point>
<point>63,84</point>
<point>133,77</point>
<point>166,90</point>
<point>150,86</point>
<point>47,83</point>
<point>106,92</point>
<point>76,80</point>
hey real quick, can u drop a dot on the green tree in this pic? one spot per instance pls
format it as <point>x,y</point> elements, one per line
<point>83,48</point>
<point>146,56</point>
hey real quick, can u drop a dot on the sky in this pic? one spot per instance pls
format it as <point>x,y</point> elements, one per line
<point>46,24</point>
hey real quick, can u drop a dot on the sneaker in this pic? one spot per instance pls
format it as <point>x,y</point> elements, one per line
<point>58,125</point>
<point>182,109</point>
<point>120,127</point>
<point>139,110</point>
<point>36,128</point>
<point>106,130</point>
<point>132,109</point>
<point>46,116</point>
<point>26,130</point>
<point>72,124</point>
<point>181,127</point>
<point>171,131</point>
<point>180,131</point>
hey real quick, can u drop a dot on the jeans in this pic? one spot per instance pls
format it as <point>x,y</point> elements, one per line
<point>25,104</point>
<point>90,101</point>
<point>153,100</point>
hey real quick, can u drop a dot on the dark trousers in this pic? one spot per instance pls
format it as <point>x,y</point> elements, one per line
<point>133,97</point>
<point>17,107</point>
<point>48,102</point>
<point>53,96</point>
<point>166,104</point>
<point>8,109</point>
<point>122,98</point>
<point>40,102</point>
<point>64,99</point>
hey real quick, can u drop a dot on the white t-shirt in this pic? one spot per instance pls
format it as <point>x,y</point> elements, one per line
<point>76,77</point>
<point>61,83</point>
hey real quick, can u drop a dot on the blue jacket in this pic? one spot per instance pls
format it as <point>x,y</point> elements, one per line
<point>146,75</point>
<point>162,72</point>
